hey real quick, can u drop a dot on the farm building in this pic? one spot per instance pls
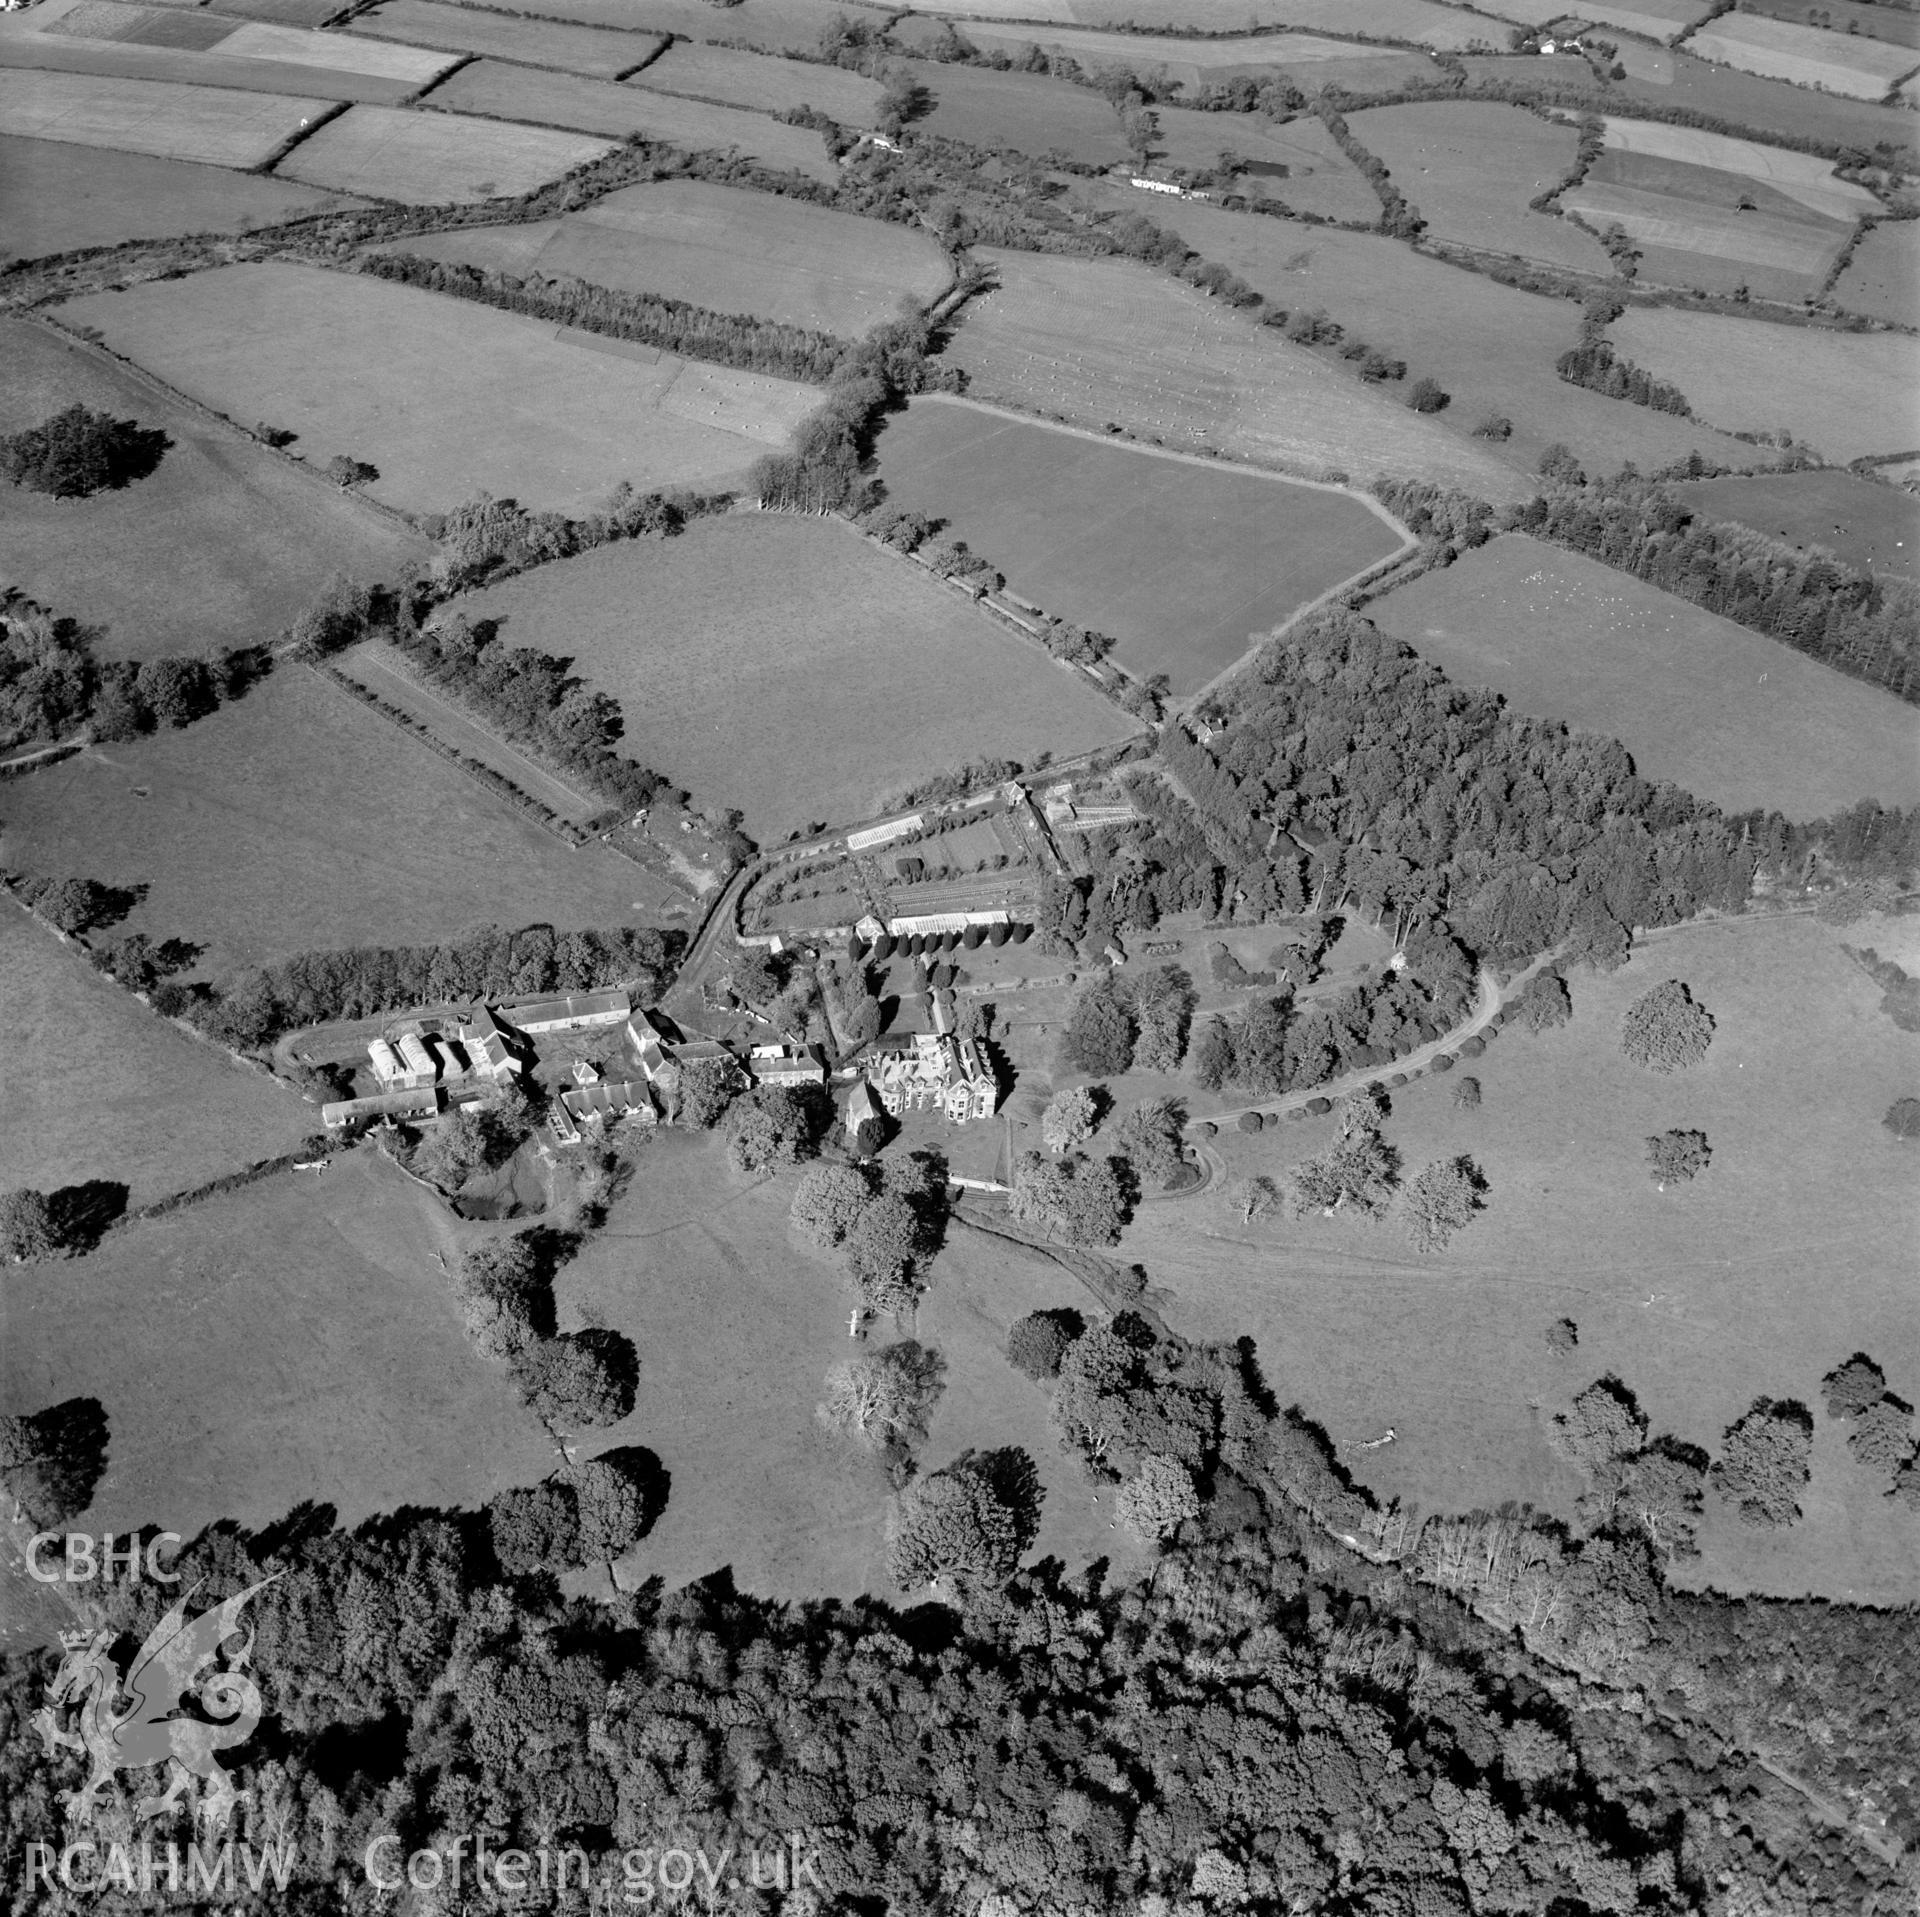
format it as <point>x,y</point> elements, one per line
<point>577,1012</point>
<point>937,924</point>
<point>423,1102</point>
<point>489,1050</point>
<point>785,1065</point>
<point>880,834</point>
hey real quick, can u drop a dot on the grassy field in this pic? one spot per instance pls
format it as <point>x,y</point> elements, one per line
<point>140,26</point>
<point>224,544</point>
<point>1491,346</point>
<point>297,820</point>
<point>789,668</point>
<point>1191,62</point>
<point>1296,165</point>
<point>1416,20</point>
<point>597,106</point>
<point>1725,712</point>
<point>1179,563</point>
<point>62,198</point>
<point>1802,177</point>
<point>1837,392</point>
<point>1471,168</point>
<point>763,81</point>
<point>1659,19</point>
<point>723,247</point>
<point>1791,1251</point>
<point>1876,528</point>
<point>341,52</point>
<point>594,51</point>
<point>148,116</point>
<point>425,159</point>
<point>1101,342</point>
<point>772,26</point>
<point>445,397</point>
<point>1022,112</point>
<point>310,1348</point>
<point>1878,22</point>
<point>1696,227</point>
<point>98,1087</point>
<point>1807,56</point>
<point>1882,278</point>
<point>737,1325</point>
<point>292,13</point>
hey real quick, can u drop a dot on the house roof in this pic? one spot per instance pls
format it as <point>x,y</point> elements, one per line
<point>544,1011</point>
<point>862,1107</point>
<point>607,1100</point>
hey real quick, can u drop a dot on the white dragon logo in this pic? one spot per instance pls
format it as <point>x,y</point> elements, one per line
<point>149,1727</point>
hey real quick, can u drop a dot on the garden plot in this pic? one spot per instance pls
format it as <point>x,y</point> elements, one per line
<point>721,247</point>
<point>150,116</point>
<point>430,159</point>
<point>1846,63</point>
<point>1846,394</point>
<point>598,106</point>
<point>62,198</point>
<point>1104,342</point>
<point>763,82</point>
<point>1471,168</point>
<point>447,399</point>
<point>595,51</point>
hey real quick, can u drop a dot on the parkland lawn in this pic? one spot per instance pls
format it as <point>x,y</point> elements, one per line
<point>789,667</point>
<point>1181,563</point>
<point>1793,1250</point>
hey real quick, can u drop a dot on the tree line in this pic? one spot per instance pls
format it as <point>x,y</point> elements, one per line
<point>256,1006</point>
<point>51,685</point>
<point>675,326</point>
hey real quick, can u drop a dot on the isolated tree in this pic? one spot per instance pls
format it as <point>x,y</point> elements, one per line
<point>1211,1060</point>
<point>78,452</point>
<point>1255,1197</point>
<point>1882,1437</point>
<point>579,1381</point>
<point>52,1461</point>
<point>707,1087</point>
<point>828,1202</point>
<point>773,1129</point>
<point>1081,1201</point>
<point>1494,426</point>
<point>462,1143</point>
<point>1101,1031</point>
<point>1563,1335</point>
<point>1659,1491</point>
<point>1545,1003</point>
<point>1665,1030</point>
<point>1675,1157</point>
<point>1903,1118</point>
<point>344,470</point>
<point>1854,1387</point>
<point>1427,396</point>
<point>1157,1499</point>
<point>1070,1118</point>
<point>503,1285</point>
<point>1442,1200</point>
<point>613,1510</point>
<point>1037,1342</point>
<point>27,1228</point>
<point>884,1249</point>
<point>1766,1460</point>
<point>883,1399</point>
<point>70,904</point>
<point>1355,1174</point>
<point>955,1524</point>
<point>1148,1138</point>
<point>1162,1004</point>
<point>1466,1094</point>
<point>535,1527</point>
<point>1605,1422</point>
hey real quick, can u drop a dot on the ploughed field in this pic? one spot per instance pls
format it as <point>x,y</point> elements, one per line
<point>1105,342</point>
<point>722,247</point>
<point>447,399</point>
<point>789,667</point>
<point>1181,563</point>
<point>224,543</point>
<point>1727,713</point>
